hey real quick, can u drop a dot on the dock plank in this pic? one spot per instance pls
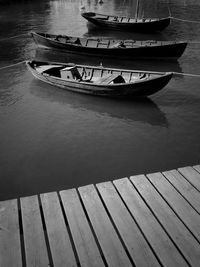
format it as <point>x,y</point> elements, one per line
<point>191,175</point>
<point>10,249</point>
<point>136,245</point>
<point>197,168</point>
<point>34,240</point>
<point>145,220</point>
<point>109,241</point>
<point>86,247</point>
<point>59,241</point>
<point>184,187</point>
<point>175,228</point>
<point>181,207</point>
<point>165,250</point>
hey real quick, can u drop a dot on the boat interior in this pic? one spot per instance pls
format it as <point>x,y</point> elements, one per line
<point>124,19</point>
<point>121,19</point>
<point>105,43</point>
<point>91,74</point>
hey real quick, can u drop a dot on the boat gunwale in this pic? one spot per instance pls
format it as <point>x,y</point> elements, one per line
<point>152,20</point>
<point>162,43</point>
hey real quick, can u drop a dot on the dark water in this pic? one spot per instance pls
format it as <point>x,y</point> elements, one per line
<point>52,139</point>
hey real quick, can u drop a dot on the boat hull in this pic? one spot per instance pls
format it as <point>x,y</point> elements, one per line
<point>165,50</point>
<point>138,89</point>
<point>139,26</point>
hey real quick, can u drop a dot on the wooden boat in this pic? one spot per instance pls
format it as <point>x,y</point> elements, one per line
<point>125,23</point>
<point>99,81</point>
<point>129,49</point>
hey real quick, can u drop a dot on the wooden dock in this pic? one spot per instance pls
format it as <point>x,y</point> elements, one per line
<point>145,220</point>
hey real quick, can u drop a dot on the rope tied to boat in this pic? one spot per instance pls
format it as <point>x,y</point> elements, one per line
<point>186,74</point>
<point>184,20</point>
<point>13,37</point>
<point>12,65</point>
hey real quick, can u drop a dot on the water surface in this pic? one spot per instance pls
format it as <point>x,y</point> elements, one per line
<point>51,139</point>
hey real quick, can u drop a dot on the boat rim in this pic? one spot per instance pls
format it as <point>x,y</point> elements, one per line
<point>164,43</point>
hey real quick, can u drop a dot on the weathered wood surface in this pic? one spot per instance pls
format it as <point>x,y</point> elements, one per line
<point>140,252</point>
<point>10,250</point>
<point>184,187</point>
<point>86,247</point>
<point>34,238</point>
<point>145,220</point>
<point>149,225</point>
<point>180,205</point>
<point>107,236</point>
<point>60,245</point>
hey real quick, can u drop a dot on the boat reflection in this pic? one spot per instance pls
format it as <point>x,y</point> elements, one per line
<point>137,64</point>
<point>92,31</point>
<point>144,110</point>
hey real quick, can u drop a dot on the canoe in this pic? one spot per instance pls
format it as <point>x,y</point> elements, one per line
<point>99,81</point>
<point>129,49</point>
<point>125,23</point>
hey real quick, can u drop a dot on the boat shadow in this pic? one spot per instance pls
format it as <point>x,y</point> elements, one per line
<point>137,64</point>
<point>131,110</point>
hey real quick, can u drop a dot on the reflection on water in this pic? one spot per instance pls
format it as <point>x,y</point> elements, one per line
<point>144,110</point>
<point>98,32</point>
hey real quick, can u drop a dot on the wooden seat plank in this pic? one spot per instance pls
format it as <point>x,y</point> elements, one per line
<point>86,247</point>
<point>59,241</point>
<point>175,228</point>
<point>181,207</point>
<point>10,250</point>
<point>184,187</point>
<point>34,240</point>
<point>191,175</point>
<point>109,241</point>
<point>137,246</point>
<point>107,79</point>
<point>151,228</point>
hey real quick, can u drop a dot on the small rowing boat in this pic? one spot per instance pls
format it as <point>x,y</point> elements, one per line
<point>125,23</point>
<point>128,49</point>
<point>99,81</point>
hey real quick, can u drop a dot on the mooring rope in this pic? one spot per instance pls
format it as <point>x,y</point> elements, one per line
<point>12,65</point>
<point>12,37</point>
<point>194,42</point>
<point>187,74</point>
<point>170,14</point>
<point>185,20</point>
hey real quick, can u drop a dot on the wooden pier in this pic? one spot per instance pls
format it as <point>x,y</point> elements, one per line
<point>145,220</point>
